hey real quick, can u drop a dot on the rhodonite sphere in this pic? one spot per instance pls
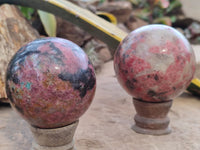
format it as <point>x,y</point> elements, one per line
<point>154,63</point>
<point>50,82</point>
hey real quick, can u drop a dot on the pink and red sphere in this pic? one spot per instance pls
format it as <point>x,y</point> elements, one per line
<point>50,82</point>
<point>154,63</point>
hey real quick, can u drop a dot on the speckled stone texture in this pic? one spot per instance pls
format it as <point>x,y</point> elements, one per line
<point>50,82</point>
<point>154,63</point>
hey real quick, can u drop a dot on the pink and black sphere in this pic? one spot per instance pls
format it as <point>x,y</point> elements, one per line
<point>50,82</point>
<point>154,63</point>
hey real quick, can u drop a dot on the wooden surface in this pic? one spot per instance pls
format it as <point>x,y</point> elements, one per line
<point>107,123</point>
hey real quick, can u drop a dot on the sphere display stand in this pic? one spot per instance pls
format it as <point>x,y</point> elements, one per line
<point>151,118</point>
<point>54,139</point>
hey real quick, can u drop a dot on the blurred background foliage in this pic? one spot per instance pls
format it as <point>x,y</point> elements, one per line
<point>166,12</point>
<point>152,11</point>
<point>157,11</point>
<point>127,15</point>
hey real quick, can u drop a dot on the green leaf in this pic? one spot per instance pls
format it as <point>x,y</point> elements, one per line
<point>143,14</point>
<point>173,19</point>
<point>164,20</point>
<point>49,22</point>
<point>134,2</point>
<point>26,11</point>
<point>173,5</point>
<point>158,12</point>
<point>101,1</point>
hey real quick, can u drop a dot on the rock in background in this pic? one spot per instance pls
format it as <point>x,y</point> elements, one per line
<point>15,31</point>
<point>71,32</point>
<point>120,9</point>
<point>99,52</point>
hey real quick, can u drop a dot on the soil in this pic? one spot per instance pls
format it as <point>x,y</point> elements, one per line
<point>107,123</point>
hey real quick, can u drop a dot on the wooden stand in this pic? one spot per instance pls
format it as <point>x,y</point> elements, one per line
<point>54,139</point>
<point>151,118</point>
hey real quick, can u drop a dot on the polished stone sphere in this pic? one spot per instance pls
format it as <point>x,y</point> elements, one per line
<point>50,82</point>
<point>154,63</point>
